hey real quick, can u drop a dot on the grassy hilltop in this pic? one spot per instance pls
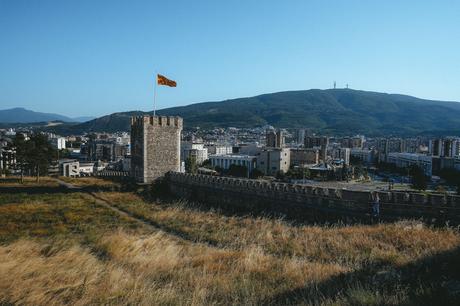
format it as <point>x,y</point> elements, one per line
<point>71,247</point>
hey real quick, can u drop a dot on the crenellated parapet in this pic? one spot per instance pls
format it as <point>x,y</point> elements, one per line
<point>406,203</point>
<point>157,121</point>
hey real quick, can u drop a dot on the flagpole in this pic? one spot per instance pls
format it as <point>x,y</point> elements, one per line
<point>155,94</point>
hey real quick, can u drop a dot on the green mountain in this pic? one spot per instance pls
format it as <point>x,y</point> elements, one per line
<point>335,111</point>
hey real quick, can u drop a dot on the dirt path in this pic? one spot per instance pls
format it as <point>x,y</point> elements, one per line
<point>145,222</point>
<point>107,204</point>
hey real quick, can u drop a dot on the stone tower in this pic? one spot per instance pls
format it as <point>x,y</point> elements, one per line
<point>155,146</point>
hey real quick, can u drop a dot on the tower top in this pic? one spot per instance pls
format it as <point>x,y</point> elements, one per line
<point>174,121</point>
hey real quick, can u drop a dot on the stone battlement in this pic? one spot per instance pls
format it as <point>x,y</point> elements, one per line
<point>393,204</point>
<point>157,121</point>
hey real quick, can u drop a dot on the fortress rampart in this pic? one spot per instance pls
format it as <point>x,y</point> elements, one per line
<point>312,202</point>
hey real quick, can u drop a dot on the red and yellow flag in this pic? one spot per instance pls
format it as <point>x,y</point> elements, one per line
<point>162,80</point>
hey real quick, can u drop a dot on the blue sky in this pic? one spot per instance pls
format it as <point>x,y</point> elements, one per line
<point>98,57</point>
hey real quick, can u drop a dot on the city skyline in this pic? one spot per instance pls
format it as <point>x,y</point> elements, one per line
<point>83,58</point>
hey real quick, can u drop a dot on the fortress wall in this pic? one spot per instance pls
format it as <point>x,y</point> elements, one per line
<point>311,201</point>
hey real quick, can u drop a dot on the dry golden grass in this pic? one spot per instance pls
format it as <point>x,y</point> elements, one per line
<point>358,245</point>
<point>28,182</point>
<point>89,181</point>
<point>147,270</point>
<point>69,249</point>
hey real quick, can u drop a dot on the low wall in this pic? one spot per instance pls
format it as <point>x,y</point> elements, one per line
<point>311,202</point>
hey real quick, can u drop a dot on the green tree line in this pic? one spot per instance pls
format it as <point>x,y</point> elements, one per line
<point>33,155</point>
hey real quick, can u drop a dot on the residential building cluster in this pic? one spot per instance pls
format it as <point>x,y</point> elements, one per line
<point>158,143</point>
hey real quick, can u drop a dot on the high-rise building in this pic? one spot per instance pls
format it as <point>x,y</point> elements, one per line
<point>316,141</point>
<point>352,142</point>
<point>58,143</point>
<point>275,138</point>
<point>389,145</point>
<point>300,136</point>
<point>448,147</point>
<point>342,154</point>
<point>155,146</point>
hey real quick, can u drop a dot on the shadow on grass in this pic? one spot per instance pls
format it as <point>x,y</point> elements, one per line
<point>433,280</point>
<point>34,189</point>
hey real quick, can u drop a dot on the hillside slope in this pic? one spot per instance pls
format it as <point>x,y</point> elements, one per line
<point>340,111</point>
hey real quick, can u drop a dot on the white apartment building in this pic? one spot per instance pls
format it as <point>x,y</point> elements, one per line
<point>58,142</point>
<point>404,160</point>
<point>194,149</point>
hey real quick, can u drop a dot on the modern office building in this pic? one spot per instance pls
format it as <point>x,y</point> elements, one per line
<point>225,161</point>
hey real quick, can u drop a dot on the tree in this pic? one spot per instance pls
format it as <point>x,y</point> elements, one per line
<point>219,169</point>
<point>190,165</point>
<point>238,170</point>
<point>358,171</point>
<point>298,173</point>
<point>280,175</point>
<point>207,164</point>
<point>256,173</point>
<point>22,148</point>
<point>40,153</point>
<point>418,178</point>
<point>345,173</point>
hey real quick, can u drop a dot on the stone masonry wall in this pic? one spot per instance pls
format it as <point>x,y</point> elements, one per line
<point>155,144</point>
<point>310,202</point>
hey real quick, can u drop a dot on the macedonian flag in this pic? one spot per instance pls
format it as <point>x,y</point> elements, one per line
<point>162,80</point>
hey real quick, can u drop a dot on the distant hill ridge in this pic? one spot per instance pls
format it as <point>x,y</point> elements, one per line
<point>332,111</point>
<point>22,115</point>
<point>335,111</point>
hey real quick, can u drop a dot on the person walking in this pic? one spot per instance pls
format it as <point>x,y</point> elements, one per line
<point>375,206</point>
